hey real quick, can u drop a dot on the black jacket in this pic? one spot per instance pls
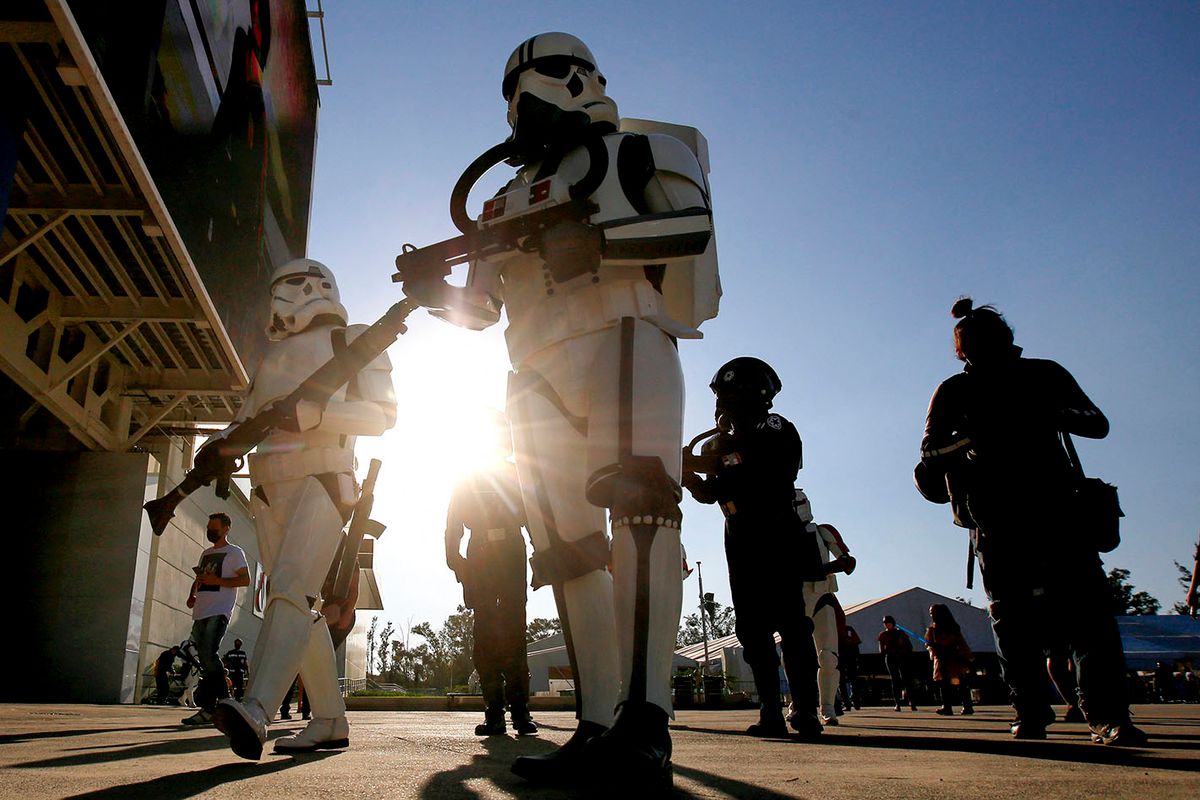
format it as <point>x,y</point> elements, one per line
<point>996,430</point>
<point>755,488</point>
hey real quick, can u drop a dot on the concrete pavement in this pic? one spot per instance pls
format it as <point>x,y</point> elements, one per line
<point>84,751</point>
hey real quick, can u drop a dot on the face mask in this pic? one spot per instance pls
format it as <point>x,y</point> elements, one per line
<point>214,536</point>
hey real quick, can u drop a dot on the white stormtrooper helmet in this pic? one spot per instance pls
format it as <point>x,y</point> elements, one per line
<point>803,509</point>
<point>558,69</point>
<point>302,290</point>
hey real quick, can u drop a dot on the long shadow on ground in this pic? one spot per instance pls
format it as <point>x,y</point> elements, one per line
<point>1068,752</point>
<point>121,751</point>
<point>494,766</point>
<point>182,785</point>
<point>13,738</point>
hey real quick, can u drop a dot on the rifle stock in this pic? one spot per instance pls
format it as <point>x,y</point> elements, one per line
<point>220,458</point>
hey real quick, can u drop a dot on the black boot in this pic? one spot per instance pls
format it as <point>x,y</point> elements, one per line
<point>566,764</point>
<point>493,723</point>
<point>636,750</point>
<point>807,724</point>
<point>770,711</point>
<point>770,723</point>
<point>523,724</point>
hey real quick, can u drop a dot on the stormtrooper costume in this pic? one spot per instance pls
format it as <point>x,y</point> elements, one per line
<point>821,604</point>
<point>303,494</point>
<point>596,393</point>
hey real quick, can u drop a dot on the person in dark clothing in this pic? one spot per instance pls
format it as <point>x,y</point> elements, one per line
<point>1061,671</point>
<point>896,648</point>
<point>995,432</point>
<point>162,673</point>
<point>238,667</point>
<point>849,648</point>
<point>493,576</point>
<point>751,466</point>
<point>302,707</point>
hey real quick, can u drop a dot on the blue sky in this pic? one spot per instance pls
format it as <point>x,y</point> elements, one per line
<point>870,163</point>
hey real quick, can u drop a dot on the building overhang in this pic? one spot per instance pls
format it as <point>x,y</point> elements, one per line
<point>104,319</point>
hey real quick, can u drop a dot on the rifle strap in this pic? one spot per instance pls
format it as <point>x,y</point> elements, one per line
<point>337,338</point>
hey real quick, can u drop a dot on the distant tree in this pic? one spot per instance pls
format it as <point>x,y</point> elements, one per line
<point>720,620</point>
<point>541,627</point>
<point>1125,600</point>
<point>1185,581</point>
<point>459,634</point>
<point>371,645</point>
<point>384,650</point>
<point>446,658</point>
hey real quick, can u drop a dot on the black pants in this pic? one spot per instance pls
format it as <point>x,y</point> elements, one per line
<point>848,673</point>
<point>765,603</point>
<point>897,670</point>
<point>239,683</point>
<point>285,709</point>
<point>162,687</point>
<point>495,589</point>
<point>1058,601</point>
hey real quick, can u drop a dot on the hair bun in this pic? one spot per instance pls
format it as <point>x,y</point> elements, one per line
<point>962,307</point>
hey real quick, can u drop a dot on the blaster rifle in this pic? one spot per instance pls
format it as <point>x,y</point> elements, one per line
<point>219,459</point>
<point>434,262</point>
<point>703,463</point>
<point>338,605</point>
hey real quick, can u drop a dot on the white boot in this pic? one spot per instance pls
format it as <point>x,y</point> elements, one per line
<point>245,723</point>
<point>322,733</point>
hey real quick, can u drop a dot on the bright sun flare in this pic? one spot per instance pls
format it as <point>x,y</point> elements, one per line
<point>448,383</point>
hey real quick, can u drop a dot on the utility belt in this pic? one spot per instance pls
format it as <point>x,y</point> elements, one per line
<point>279,467</point>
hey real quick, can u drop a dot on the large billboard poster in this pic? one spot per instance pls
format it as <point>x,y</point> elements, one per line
<point>221,98</point>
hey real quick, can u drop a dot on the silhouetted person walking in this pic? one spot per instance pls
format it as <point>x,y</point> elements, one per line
<point>995,430</point>
<point>897,649</point>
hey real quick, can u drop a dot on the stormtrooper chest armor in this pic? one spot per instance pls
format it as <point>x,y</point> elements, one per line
<point>541,310</point>
<point>287,363</point>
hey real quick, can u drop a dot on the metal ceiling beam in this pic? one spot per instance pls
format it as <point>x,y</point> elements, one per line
<point>154,420</point>
<point>80,201</point>
<point>107,107</point>
<point>14,32</point>
<point>32,238</point>
<point>192,381</point>
<point>85,360</point>
<point>124,309</point>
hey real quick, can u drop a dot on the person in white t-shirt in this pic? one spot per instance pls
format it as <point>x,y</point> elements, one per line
<point>222,569</point>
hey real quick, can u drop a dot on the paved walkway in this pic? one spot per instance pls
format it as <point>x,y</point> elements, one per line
<point>139,751</point>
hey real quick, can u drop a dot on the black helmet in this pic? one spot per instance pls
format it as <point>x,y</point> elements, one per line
<point>746,378</point>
